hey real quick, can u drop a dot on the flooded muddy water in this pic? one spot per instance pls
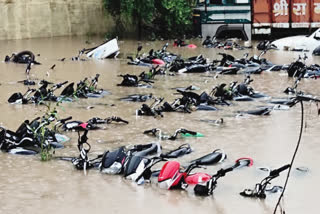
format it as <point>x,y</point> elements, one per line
<point>31,186</point>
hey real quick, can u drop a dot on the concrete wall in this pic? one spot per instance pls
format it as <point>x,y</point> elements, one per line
<point>21,19</point>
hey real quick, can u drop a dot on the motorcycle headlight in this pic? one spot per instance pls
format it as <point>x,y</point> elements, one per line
<point>166,184</point>
<point>115,168</point>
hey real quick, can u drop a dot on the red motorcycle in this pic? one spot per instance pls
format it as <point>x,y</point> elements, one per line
<point>172,177</point>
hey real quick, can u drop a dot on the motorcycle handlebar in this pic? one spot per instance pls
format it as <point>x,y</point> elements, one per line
<point>215,61</point>
<point>185,131</point>
<point>193,166</point>
<point>152,131</point>
<point>118,119</point>
<point>306,98</point>
<point>222,172</point>
<point>130,57</point>
<point>147,81</point>
<point>65,119</point>
<point>95,79</point>
<point>276,172</point>
<point>159,158</point>
<point>31,90</point>
<point>83,139</point>
<point>35,119</point>
<point>156,67</point>
<point>59,85</point>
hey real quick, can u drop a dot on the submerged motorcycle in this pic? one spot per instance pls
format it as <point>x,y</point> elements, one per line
<point>92,124</point>
<point>37,96</point>
<point>261,189</point>
<point>197,64</point>
<point>189,102</point>
<point>172,177</point>
<point>182,131</point>
<point>253,65</point>
<point>135,163</point>
<point>134,81</point>
<point>137,97</point>
<point>159,57</point>
<point>84,89</point>
<point>124,160</point>
<point>31,137</point>
<point>299,69</point>
<point>82,162</point>
<point>140,167</point>
<point>24,57</point>
<point>237,92</point>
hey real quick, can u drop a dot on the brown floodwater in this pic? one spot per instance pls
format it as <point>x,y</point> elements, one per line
<point>31,186</point>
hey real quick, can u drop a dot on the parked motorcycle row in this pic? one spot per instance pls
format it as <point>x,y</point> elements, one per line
<point>84,89</point>
<point>137,162</point>
<point>228,64</point>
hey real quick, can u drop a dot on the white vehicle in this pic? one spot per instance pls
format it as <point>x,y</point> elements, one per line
<point>105,50</point>
<point>299,43</point>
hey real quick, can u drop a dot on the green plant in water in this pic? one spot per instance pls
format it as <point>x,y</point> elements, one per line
<point>157,17</point>
<point>41,133</point>
<point>47,150</point>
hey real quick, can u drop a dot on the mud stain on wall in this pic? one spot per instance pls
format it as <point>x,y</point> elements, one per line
<point>21,19</point>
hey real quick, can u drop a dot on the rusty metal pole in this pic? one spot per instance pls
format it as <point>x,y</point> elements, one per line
<point>311,11</point>
<point>290,13</point>
<point>205,7</point>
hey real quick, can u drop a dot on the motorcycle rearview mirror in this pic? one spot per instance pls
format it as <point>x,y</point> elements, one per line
<point>265,169</point>
<point>139,48</point>
<point>165,46</point>
<point>151,52</point>
<point>242,162</point>
<point>276,172</point>
<point>289,90</point>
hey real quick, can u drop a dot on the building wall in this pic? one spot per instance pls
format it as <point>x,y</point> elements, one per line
<point>20,19</point>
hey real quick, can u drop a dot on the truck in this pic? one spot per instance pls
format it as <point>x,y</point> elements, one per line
<point>246,18</point>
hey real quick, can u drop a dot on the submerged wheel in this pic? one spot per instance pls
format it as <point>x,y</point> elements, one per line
<point>24,57</point>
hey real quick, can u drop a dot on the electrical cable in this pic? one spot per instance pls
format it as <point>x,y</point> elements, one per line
<point>292,160</point>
